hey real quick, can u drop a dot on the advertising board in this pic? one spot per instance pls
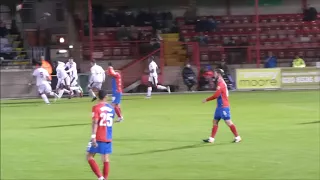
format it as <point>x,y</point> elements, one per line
<point>250,79</point>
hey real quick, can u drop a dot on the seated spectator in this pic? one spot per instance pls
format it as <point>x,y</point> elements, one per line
<point>189,77</point>
<point>310,14</point>
<point>6,49</point>
<point>205,79</point>
<point>3,29</point>
<point>298,62</point>
<point>271,61</point>
<point>229,42</point>
<point>201,25</point>
<point>190,16</point>
<point>212,25</point>
<point>123,34</point>
<point>156,40</point>
<point>202,39</point>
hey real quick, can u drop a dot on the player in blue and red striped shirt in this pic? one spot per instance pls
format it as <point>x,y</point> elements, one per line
<point>223,108</point>
<point>116,91</point>
<point>101,138</point>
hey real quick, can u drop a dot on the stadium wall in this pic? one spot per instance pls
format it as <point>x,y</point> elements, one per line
<point>14,84</point>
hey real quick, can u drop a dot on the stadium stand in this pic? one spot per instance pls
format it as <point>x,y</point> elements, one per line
<point>12,51</point>
<point>283,34</point>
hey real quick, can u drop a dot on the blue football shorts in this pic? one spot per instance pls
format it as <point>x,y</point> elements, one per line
<point>103,148</point>
<point>116,98</point>
<point>222,113</point>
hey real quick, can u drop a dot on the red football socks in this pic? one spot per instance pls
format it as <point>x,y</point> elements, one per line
<point>105,170</point>
<point>234,130</point>
<point>95,168</point>
<point>118,111</point>
<point>214,131</point>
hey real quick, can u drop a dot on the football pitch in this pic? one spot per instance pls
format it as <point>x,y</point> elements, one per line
<point>161,138</point>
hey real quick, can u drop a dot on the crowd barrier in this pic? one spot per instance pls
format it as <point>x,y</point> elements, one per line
<point>278,78</point>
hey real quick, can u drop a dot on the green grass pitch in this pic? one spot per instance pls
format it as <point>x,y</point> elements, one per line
<point>161,138</point>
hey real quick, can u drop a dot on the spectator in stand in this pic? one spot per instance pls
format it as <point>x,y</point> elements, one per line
<point>134,33</point>
<point>229,42</point>
<point>189,77</point>
<point>6,49</point>
<point>271,61</point>
<point>190,16</point>
<point>212,25</point>
<point>298,62</point>
<point>205,79</point>
<point>202,25</point>
<point>310,13</point>
<point>123,34</point>
<point>202,39</point>
<point>3,29</point>
<point>156,40</point>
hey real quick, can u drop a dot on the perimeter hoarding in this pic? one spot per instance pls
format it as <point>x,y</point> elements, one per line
<point>300,78</point>
<point>250,79</point>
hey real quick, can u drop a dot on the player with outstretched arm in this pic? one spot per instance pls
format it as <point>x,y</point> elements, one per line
<point>42,76</point>
<point>116,90</point>
<point>223,108</point>
<point>101,137</point>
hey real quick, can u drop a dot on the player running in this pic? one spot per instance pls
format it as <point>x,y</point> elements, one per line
<point>63,84</point>
<point>97,77</point>
<point>73,73</point>
<point>223,108</point>
<point>153,78</point>
<point>101,138</point>
<point>116,91</point>
<point>43,85</point>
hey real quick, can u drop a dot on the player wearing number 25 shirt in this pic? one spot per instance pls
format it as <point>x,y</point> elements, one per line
<point>101,137</point>
<point>223,107</point>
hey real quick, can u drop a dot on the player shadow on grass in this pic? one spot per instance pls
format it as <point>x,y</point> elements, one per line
<point>198,145</point>
<point>19,104</point>
<point>312,122</point>
<point>62,125</point>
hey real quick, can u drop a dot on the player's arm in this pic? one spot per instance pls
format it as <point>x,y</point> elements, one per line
<point>93,72</point>
<point>95,119</point>
<point>112,72</point>
<point>214,96</point>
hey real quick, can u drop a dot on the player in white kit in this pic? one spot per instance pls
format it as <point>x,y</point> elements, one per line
<point>73,73</point>
<point>97,77</point>
<point>44,88</point>
<point>153,78</point>
<point>63,84</point>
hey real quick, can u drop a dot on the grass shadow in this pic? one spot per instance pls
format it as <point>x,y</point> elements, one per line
<point>60,126</point>
<point>192,146</point>
<point>312,122</point>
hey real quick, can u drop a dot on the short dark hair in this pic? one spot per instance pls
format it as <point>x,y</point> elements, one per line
<point>110,64</point>
<point>38,63</point>
<point>102,94</point>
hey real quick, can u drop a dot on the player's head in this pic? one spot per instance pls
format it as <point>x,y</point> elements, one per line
<point>102,95</point>
<point>38,63</point>
<point>217,73</point>
<point>151,59</point>
<point>70,60</point>
<point>110,64</point>
<point>93,62</point>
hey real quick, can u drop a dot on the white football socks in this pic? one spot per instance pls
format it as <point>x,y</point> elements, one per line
<point>45,98</point>
<point>92,93</point>
<point>149,91</point>
<point>161,87</point>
